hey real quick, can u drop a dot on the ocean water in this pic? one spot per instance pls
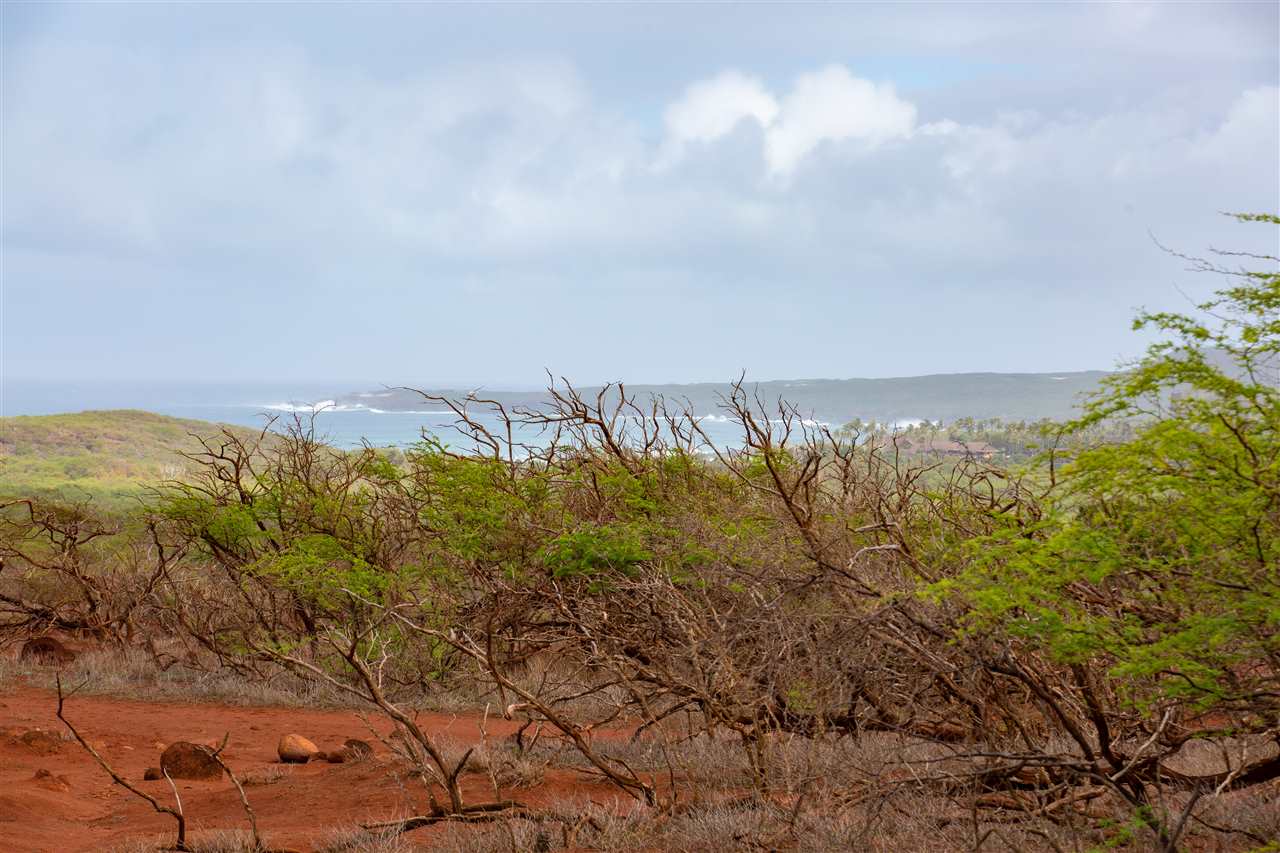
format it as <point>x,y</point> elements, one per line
<point>259,404</point>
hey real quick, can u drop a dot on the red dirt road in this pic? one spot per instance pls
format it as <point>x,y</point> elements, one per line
<point>54,796</point>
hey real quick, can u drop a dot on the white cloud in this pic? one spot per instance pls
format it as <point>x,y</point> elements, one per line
<point>1248,133</point>
<point>832,105</point>
<point>1131,18</point>
<point>275,160</point>
<point>710,109</point>
<point>828,105</point>
<point>508,188</point>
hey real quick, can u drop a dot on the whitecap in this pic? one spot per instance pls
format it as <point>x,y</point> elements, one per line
<point>319,406</point>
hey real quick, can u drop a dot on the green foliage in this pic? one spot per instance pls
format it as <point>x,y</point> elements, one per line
<point>321,569</point>
<point>473,507</point>
<point>592,550</point>
<point>800,697</point>
<point>1159,554</point>
<point>757,466</point>
<point>232,528</point>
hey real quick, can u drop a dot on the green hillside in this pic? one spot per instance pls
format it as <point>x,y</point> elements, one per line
<point>110,457</point>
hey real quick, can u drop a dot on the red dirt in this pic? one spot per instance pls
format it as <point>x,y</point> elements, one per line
<point>75,806</point>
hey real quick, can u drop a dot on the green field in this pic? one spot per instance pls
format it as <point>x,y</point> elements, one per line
<point>109,457</point>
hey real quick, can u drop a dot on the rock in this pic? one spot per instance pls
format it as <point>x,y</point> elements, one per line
<point>358,748</point>
<point>46,651</point>
<point>151,774</point>
<point>295,749</point>
<point>183,760</point>
<point>41,742</point>
<point>352,750</point>
<point>45,779</point>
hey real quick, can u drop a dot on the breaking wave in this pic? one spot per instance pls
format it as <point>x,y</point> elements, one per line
<point>335,406</point>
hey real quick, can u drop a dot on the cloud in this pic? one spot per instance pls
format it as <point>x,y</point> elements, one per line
<point>832,105</point>
<point>827,105</point>
<point>710,109</point>
<point>522,189</point>
<point>270,157</point>
<point>1248,132</point>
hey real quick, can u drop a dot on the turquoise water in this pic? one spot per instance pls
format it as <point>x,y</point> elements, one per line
<point>260,404</point>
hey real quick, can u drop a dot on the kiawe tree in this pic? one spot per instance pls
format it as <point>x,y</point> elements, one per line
<point>1154,574</point>
<point>627,571</point>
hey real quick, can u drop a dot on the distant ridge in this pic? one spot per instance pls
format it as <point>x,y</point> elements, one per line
<point>941,396</point>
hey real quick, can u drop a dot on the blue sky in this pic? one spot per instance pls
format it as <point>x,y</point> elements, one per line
<point>649,192</point>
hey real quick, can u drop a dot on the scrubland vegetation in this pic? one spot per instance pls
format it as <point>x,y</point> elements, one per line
<point>111,458</point>
<point>810,642</point>
<point>1014,442</point>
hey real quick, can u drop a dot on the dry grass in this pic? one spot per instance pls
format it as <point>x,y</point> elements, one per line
<point>132,673</point>
<point>824,795</point>
<point>844,794</point>
<point>833,793</point>
<point>356,840</point>
<point>508,767</point>
<point>212,841</point>
<point>735,826</point>
<point>908,821</point>
<point>269,775</point>
<point>353,840</point>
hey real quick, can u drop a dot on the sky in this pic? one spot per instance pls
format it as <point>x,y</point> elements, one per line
<point>657,192</point>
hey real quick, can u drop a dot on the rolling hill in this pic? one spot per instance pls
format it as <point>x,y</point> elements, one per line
<point>110,457</point>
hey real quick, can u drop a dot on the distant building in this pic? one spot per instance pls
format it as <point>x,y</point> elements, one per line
<point>947,447</point>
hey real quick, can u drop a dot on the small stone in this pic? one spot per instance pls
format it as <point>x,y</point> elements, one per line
<point>45,779</point>
<point>358,748</point>
<point>183,760</point>
<point>151,774</point>
<point>295,749</point>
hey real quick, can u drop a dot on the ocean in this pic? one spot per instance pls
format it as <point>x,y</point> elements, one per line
<point>258,404</point>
